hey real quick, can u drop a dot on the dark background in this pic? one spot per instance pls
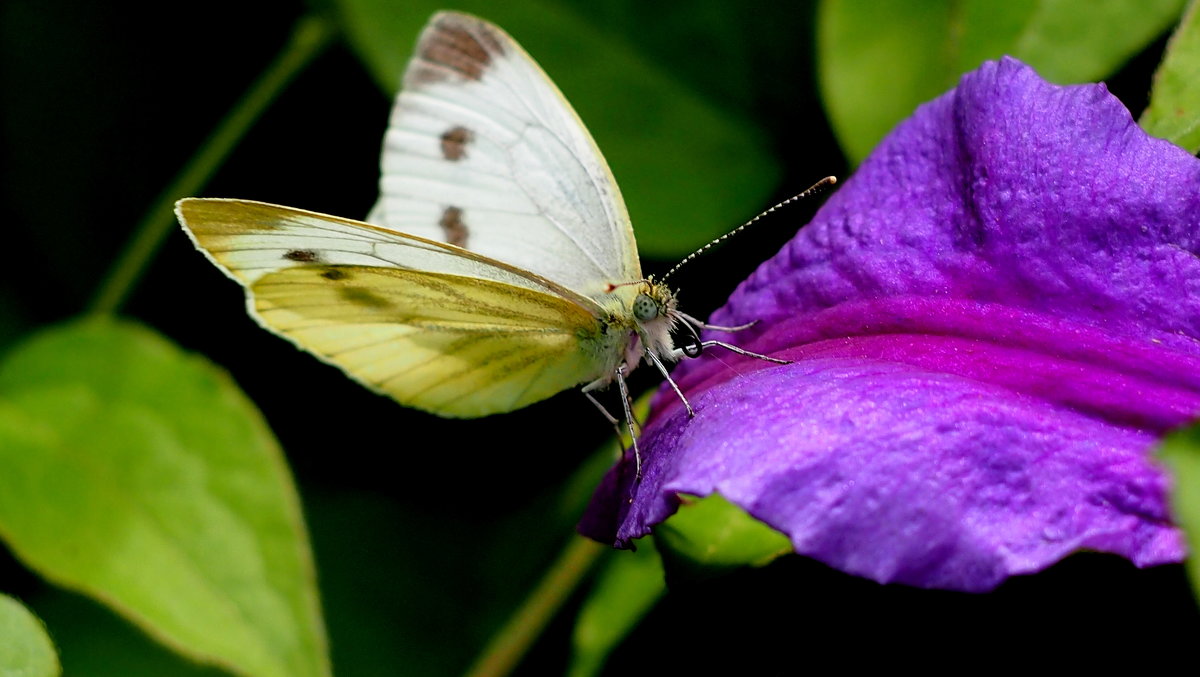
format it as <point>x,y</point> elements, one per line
<point>426,530</point>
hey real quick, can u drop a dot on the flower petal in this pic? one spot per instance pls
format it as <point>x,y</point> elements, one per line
<point>992,323</point>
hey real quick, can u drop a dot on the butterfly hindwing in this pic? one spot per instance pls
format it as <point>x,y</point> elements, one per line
<point>484,152</point>
<point>451,345</point>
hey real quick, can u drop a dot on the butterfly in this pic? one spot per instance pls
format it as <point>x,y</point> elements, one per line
<point>499,266</point>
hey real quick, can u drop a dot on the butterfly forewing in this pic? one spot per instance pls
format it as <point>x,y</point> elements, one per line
<point>485,153</point>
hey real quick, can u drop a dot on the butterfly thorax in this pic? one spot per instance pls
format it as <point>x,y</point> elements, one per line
<point>638,318</point>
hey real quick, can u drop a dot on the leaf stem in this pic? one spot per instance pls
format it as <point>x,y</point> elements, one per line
<point>508,645</point>
<point>310,35</point>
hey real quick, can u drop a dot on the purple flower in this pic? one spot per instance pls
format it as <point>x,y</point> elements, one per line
<point>992,323</point>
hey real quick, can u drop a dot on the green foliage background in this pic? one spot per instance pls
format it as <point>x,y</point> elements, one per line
<point>161,450</point>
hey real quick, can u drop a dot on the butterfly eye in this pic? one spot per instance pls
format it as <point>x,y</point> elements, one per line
<point>644,308</point>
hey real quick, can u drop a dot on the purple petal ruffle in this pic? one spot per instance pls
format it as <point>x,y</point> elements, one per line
<point>992,323</point>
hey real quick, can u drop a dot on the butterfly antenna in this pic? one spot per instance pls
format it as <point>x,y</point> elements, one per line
<point>816,187</point>
<point>608,288</point>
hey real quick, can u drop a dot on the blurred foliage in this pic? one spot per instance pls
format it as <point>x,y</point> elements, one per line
<point>627,584</point>
<point>709,536</point>
<point>625,589</point>
<point>98,643</point>
<point>25,650</point>
<point>879,60</point>
<point>1174,110</point>
<point>180,512</point>
<point>427,532</point>
<point>1181,453</point>
<point>653,129</point>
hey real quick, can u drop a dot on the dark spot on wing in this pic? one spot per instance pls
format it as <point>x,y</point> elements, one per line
<point>335,274</point>
<point>452,225</point>
<point>420,73</point>
<point>363,297</point>
<point>454,143</point>
<point>455,43</point>
<point>490,37</point>
<point>302,255</point>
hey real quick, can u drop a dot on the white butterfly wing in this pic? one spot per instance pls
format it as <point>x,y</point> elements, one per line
<point>437,328</point>
<point>484,152</point>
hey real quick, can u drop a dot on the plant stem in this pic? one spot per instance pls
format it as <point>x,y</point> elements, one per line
<point>309,36</point>
<point>508,645</point>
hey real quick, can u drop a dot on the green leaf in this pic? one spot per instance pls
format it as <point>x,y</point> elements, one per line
<point>625,590</point>
<point>1181,452</point>
<point>710,536</point>
<point>879,60</point>
<point>92,640</point>
<point>689,170</point>
<point>25,649</point>
<point>140,475</point>
<point>1174,110</point>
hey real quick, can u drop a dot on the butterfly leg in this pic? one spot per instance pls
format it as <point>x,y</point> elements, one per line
<point>663,368</point>
<point>637,454</point>
<point>627,407</point>
<point>611,419</point>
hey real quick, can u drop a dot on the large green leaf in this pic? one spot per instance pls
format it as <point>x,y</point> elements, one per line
<point>25,650</point>
<point>879,60</point>
<point>1181,452</point>
<point>689,170</point>
<point>1174,110</point>
<point>141,476</point>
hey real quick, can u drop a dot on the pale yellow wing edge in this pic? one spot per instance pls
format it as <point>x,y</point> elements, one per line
<point>203,217</point>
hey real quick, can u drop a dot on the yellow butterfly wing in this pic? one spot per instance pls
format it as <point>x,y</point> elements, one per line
<point>469,337</point>
<point>448,344</point>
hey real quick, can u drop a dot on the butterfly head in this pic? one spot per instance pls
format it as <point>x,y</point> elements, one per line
<point>654,302</point>
<point>654,311</point>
